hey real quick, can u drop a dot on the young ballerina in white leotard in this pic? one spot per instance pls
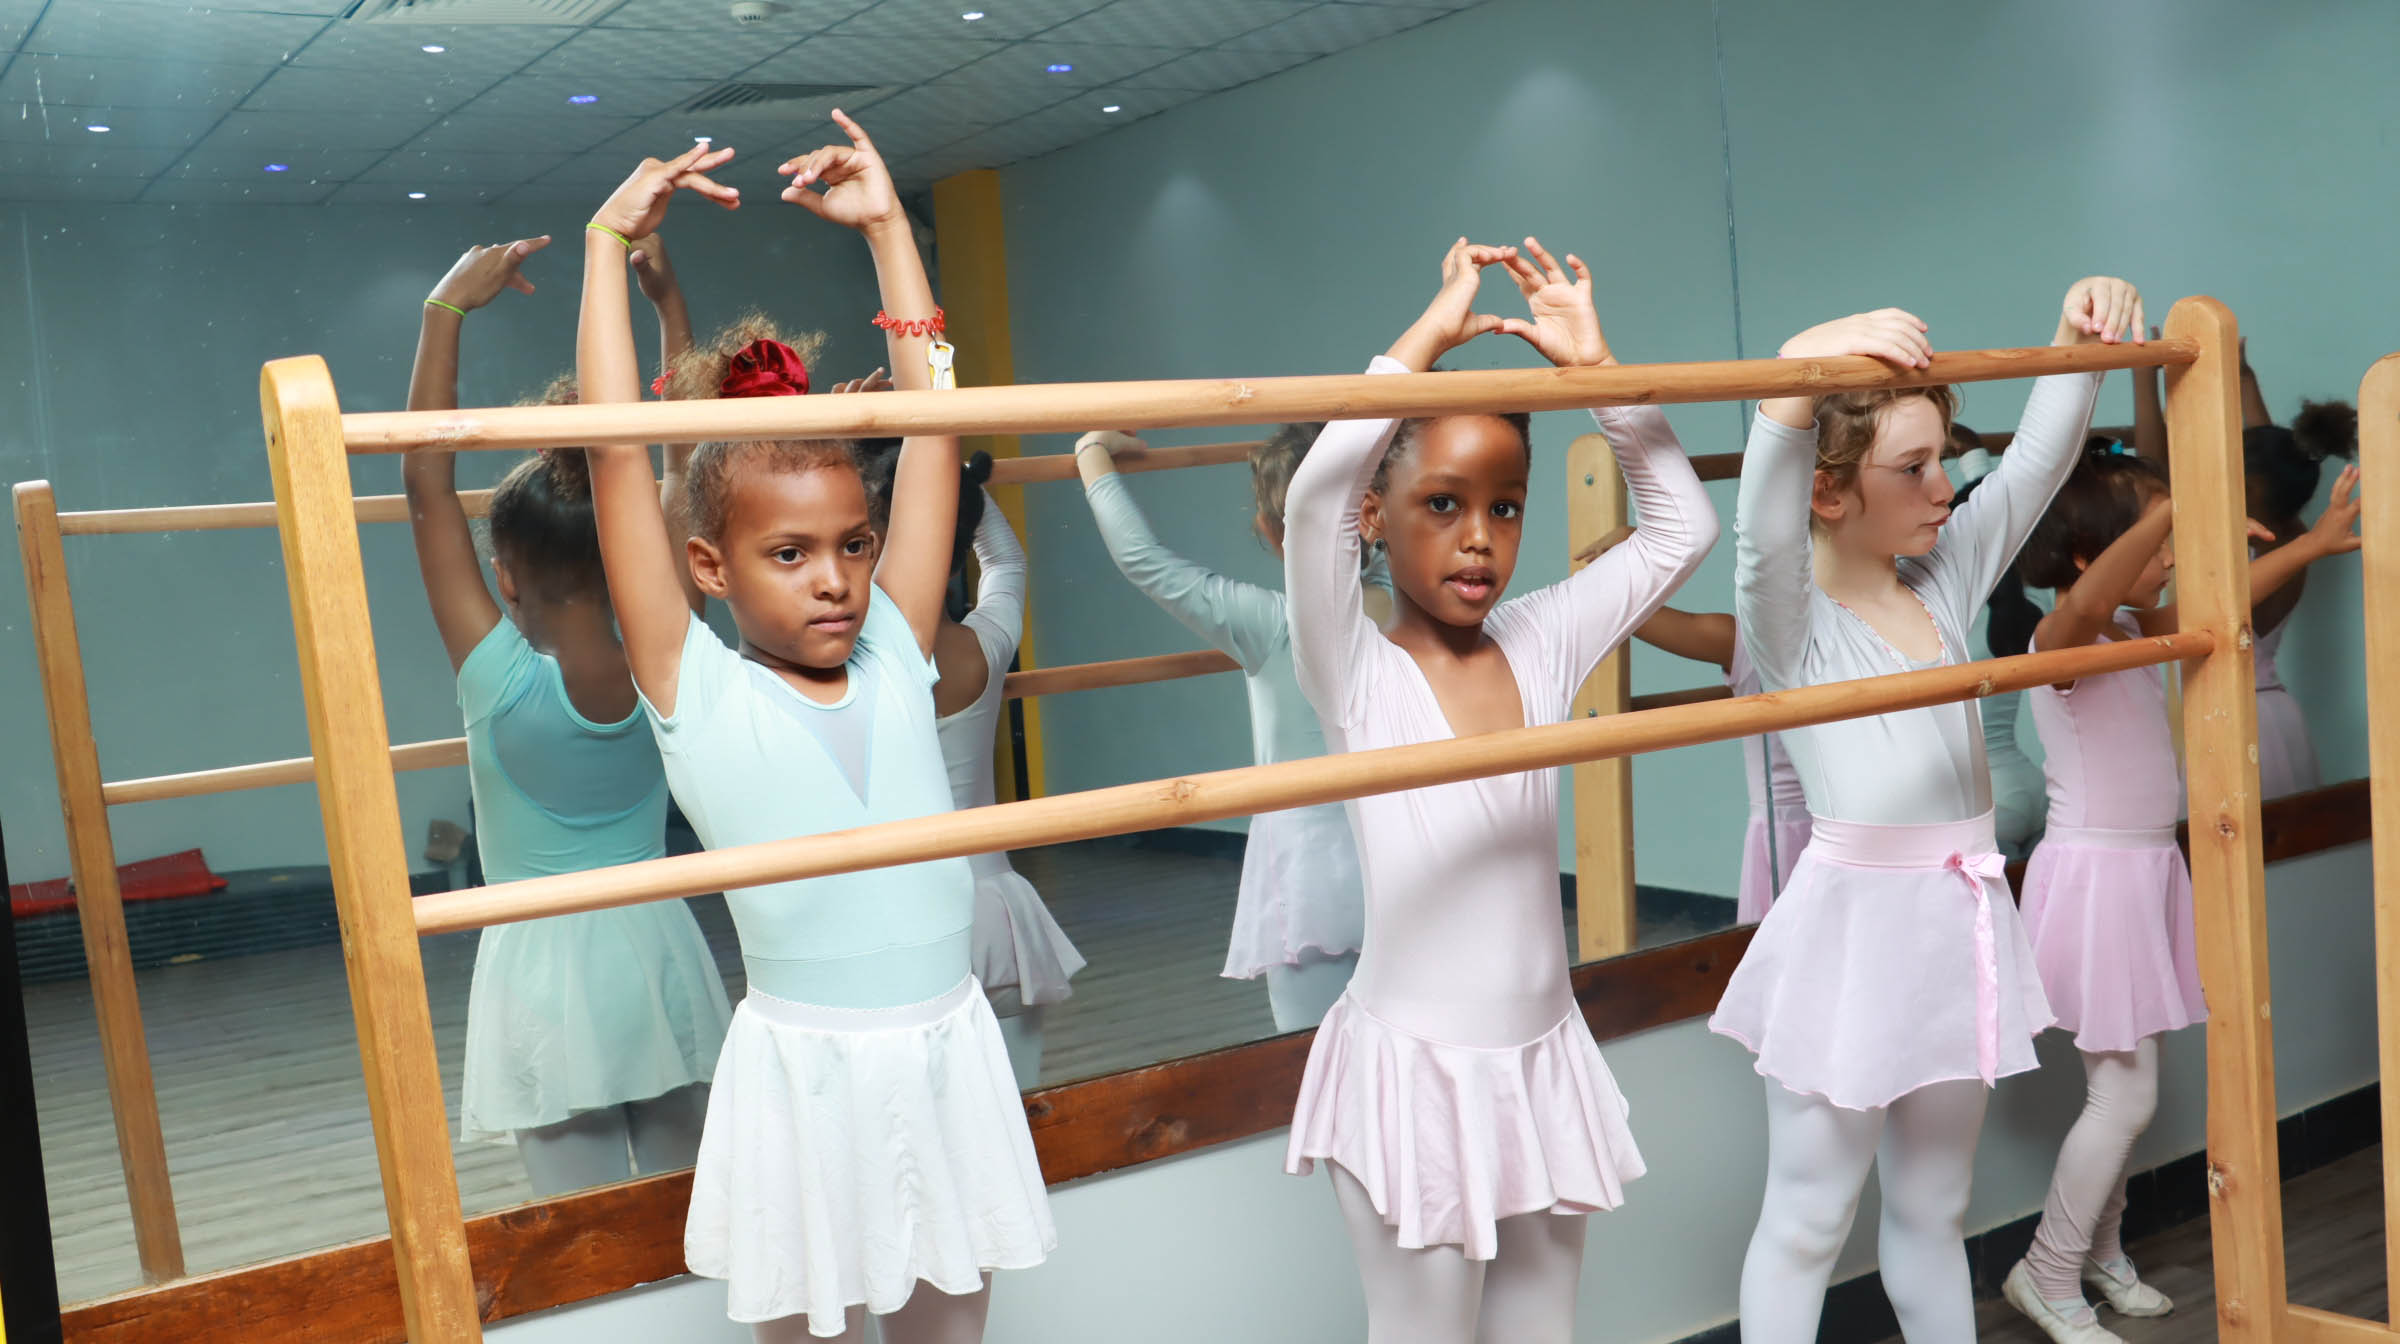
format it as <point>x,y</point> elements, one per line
<point>590,1037</point>
<point>1892,982</point>
<point>866,1151</point>
<point>1455,1090</point>
<point>2108,901</point>
<point>1300,912</point>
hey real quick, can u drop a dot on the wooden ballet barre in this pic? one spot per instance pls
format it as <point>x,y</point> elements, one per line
<point>1249,790</point>
<point>1032,470</point>
<point>1075,407</point>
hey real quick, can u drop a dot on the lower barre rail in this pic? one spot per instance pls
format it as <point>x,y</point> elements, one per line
<point>1270,788</point>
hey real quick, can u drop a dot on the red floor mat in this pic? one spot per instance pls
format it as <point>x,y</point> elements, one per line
<point>162,878</point>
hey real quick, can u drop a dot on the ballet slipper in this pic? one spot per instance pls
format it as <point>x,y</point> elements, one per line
<point>2128,1294</point>
<point>2059,1325</point>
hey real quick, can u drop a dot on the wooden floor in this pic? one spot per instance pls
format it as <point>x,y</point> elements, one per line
<point>266,1120</point>
<point>2333,1257</point>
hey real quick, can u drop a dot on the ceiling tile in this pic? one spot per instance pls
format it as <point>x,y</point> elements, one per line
<point>870,60</point>
<point>17,19</point>
<point>961,104</point>
<point>1335,27</point>
<point>798,19</point>
<point>81,160</point>
<point>154,128</point>
<point>538,95</point>
<point>1092,64</point>
<point>602,170</point>
<point>335,94</point>
<point>1208,71</point>
<point>467,49</point>
<point>389,194</point>
<point>264,191</point>
<point>302,165</point>
<point>692,53</point>
<point>272,135</point>
<point>1175,23</point>
<point>22,187</point>
<point>321,8</point>
<point>170,32</point>
<point>1002,19</point>
<point>419,169</point>
<point>568,133</point>
<point>92,82</point>
<point>547,191</point>
<point>1132,102</point>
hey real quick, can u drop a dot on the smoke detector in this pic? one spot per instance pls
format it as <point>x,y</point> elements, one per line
<point>751,13</point>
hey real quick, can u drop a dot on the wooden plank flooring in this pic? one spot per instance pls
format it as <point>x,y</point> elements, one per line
<point>265,1115</point>
<point>2333,1255</point>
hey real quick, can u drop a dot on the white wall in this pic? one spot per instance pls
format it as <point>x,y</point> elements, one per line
<point>134,383</point>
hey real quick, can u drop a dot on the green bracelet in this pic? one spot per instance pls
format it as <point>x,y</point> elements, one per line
<point>628,242</point>
<point>451,306</point>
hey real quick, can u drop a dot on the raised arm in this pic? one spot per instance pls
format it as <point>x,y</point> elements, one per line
<point>463,609</point>
<point>644,583</point>
<point>2254,402</point>
<point>914,569</point>
<point>2088,607</point>
<point>1000,574</point>
<point>2275,571</point>
<point>1240,619</point>
<point>1771,574</point>
<point>2149,413</point>
<point>1702,636</point>
<point>655,273</point>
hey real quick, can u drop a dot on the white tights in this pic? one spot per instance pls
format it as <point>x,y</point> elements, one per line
<point>2085,1213</point>
<point>615,1143</point>
<point>929,1316</point>
<point>1922,1147</point>
<point>1300,994</point>
<point>1525,1294</point>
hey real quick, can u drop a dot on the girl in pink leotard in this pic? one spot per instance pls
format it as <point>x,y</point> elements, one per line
<point>1454,1087</point>
<point>2108,901</point>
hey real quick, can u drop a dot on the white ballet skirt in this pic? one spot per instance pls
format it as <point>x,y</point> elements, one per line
<point>583,1011</point>
<point>851,1155</point>
<point>2287,761</point>
<point>1300,892</point>
<point>1893,960</point>
<point>1447,1140</point>
<point>1018,945</point>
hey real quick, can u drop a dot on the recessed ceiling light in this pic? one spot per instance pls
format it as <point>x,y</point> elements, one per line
<point>416,195</point>
<point>279,167</point>
<point>1059,68</point>
<point>97,129</point>
<point>582,98</point>
<point>1114,107</point>
<point>972,15</point>
<point>433,48</point>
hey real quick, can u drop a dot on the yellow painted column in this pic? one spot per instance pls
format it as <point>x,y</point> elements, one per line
<point>971,255</point>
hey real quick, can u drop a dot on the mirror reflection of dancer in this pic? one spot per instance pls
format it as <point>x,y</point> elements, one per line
<point>2108,900</point>
<point>1300,913</point>
<point>866,1150</point>
<point>1023,959</point>
<point>1892,982</point>
<point>1455,1091</point>
<point>591,1036</point>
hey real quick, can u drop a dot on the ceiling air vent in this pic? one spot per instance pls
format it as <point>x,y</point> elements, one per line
<point>770,102</point>
<point>479,11</point>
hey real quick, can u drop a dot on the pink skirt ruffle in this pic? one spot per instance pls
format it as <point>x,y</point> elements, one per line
<point>2110,917</point>
<point>1301,892</point>
<point>1758,888</point>
<point>1018,945</point>
<point>1447,1140</point>
<point>1870,978</point>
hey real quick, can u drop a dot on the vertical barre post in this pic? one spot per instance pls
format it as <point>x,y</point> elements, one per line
<point>2220,730</point>
<point>99,905</point>
<point>347,733</point>
<point>1604,890</point>
<point>2379,562</point>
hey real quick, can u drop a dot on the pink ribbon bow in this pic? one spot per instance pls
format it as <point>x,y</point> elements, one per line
<point>1977,871</point>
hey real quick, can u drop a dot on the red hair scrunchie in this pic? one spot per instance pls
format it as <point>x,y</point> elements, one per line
<point>765,369</point>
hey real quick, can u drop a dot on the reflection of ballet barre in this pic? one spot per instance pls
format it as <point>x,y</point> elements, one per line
<point>446,751</point>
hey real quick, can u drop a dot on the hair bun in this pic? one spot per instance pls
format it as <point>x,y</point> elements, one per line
<point>2325,429</point>
<point>569,471</point>
<point>979,470</point>
<point>764,368</point>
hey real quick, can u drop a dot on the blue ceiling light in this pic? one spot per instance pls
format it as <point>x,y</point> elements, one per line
<point>581,98</point>
<point>279,168</point>
<point>1059,68</point>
